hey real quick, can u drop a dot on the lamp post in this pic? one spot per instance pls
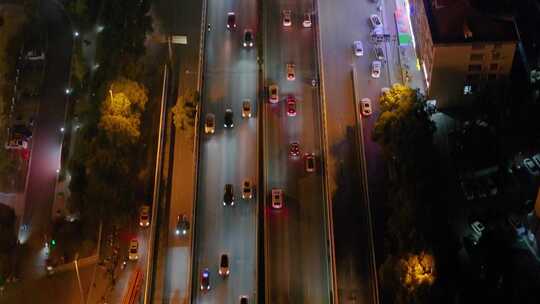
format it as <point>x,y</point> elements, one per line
<point>79,277</point>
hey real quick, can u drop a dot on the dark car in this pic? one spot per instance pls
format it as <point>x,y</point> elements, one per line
<point>243,300</point>
<point>182,225</point>
<point>231,20</point>
<point>309,162</point>
<point>228,195</point>
<point>294,149</point>
<point>228,119</point>
<point>224,265</point>
<point>205,279</point>
<point>379,54</point>
<point>248,38</point>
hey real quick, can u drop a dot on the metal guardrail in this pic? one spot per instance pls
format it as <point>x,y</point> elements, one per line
<point>324,138</point>
<point>157,189</point>
<point>361,156</point>
<point>196,142</point>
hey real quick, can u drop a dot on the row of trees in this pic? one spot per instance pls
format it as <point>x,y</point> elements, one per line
<point>405,133</point>
<point>107,158</point>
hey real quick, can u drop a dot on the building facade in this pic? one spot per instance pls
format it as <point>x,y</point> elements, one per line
<point>460,48</point>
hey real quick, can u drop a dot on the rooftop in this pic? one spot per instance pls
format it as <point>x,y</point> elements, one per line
<point>454,21</point>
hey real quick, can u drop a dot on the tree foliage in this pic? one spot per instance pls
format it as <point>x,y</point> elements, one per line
<point>185,110</point>
<point>121,112</point>
<point>404,131</point>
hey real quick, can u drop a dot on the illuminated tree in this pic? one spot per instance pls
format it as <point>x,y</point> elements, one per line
<point>121,112</point>
<point>184,111</point>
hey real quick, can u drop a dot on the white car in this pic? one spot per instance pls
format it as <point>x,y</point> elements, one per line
<point>478,227</point>
<point>277,198</point>
<point>384,90</point>
<point>246,108</point>
<point>376,69</point>
<point>247,189</point>
<point>287,18</point>
<point>358,48</point>
<point>133,250</point>
<point>307,20</point>
<point>365,105</point>
<point>375,21</point>
<point>290,72</point>
<point>273,92</point>
<point>210,124</point>
<point>531,166</point>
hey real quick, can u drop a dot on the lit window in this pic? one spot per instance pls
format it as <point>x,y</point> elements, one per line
<point>467,89</point>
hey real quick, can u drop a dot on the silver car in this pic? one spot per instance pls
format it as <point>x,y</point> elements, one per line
<point>376,69</point>
<point>358,48</point>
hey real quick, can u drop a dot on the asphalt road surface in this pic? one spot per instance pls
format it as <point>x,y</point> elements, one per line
<point>343,22</point>
<point>46,139</point>
<point>296,253</point>
<point>228,156</point>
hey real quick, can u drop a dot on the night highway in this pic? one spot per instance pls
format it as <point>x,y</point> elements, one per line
<point>228,156</point>
<point>296,252</point>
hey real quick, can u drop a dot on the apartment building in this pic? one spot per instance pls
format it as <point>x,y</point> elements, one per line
<point>460,48</point>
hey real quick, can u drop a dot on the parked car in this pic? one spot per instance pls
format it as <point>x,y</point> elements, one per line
<point>309,159</point>
<point>376,69</point>
<point>273,92</point>
<point>307,20</point>
<point>144,216</point>
<point>287,18</point>
<point>133,253</point>
<point>210,124</point>
<point>536,159</point>
<point>228,119</point>
<point>243,299</point>
<point>277,198</point>
<point>294,149</point>
<point>231,20</point>
<point>290,71</point>
<point>531,167</point>
<point>205,279</point>
<point>248,38</point>
<point>246,108</point>
<point>358,48</point>
<point>247,189</point>
<point>291,106</point>
<point>228,195</point>
<point>365,105</point>
<point>224,265</point>
<point>375,21</point>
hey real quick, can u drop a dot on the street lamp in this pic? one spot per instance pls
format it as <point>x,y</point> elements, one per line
<point>68,91</point>
<point>76,34</point>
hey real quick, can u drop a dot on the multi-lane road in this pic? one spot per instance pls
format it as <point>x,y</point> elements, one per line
<point>297,264</point>
<point>227,157</point>
<point>296,252</point>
